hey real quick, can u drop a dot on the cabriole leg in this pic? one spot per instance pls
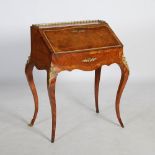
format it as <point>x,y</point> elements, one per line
<point>28,71</point>
<point>124,77</point>
<point>97,81</point>
<point>51,81</point>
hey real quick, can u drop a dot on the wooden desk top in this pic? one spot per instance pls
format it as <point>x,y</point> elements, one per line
<point>78,36</point>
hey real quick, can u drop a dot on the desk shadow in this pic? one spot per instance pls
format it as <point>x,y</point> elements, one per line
<point>82,103</point>
<point>87,107</point>
<point>139,114</point>
<point>99,115</point>
<point>17,120</point>
<point>80,124</point>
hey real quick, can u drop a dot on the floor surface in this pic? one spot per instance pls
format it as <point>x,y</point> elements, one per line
<point>80,131</point>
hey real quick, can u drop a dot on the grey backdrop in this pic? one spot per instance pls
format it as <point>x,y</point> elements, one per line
<point>79,129</point>
<point>133,21</point>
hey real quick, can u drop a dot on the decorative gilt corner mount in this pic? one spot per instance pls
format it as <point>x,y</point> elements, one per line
<point>125,62</point>
<point>28,60</point>
<point>52,73</point>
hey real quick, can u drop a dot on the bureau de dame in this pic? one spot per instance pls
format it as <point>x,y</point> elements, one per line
<point>83,45</point>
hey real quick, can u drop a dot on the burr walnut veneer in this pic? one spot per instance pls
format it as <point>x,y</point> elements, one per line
<point>84,45</point>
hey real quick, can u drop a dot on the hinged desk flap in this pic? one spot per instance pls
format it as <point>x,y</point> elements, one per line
<point>80,38</point>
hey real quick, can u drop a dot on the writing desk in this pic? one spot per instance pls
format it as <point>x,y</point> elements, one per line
<point>84,45</point>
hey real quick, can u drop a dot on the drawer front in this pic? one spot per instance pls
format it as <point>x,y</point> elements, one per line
<point>87,60</point>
